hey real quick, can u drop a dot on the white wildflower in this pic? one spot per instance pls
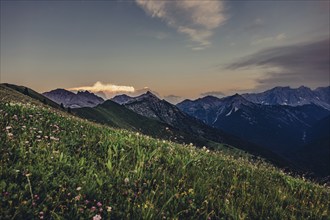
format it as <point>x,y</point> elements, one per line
<point>126,180</point>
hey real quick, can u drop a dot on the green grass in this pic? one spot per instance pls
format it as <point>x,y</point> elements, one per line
<point>57,166</point>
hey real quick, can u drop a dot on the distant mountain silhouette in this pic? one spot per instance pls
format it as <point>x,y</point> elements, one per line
<point>72,100</point>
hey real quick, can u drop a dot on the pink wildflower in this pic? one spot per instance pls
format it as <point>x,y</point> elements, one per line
<point>97,217</point>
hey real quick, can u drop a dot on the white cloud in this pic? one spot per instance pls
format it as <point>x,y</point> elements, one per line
<point>196,19</point>
<point>108,89</point>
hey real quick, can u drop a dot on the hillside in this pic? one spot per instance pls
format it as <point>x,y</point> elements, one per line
<point>315,154</point>
<point>55,166</point>
<point>28,92</point>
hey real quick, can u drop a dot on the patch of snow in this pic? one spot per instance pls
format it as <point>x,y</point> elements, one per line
<point>229,113</point>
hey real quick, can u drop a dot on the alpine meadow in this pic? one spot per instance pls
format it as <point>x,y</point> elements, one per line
<point>164,109</point>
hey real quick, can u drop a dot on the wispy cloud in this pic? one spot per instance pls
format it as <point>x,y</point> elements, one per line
<point>196,19</point>
<point>174,99</point>
<point>218,94</point>
<point>262,40</point>
<point>304,63</point>
<point>105,88</point>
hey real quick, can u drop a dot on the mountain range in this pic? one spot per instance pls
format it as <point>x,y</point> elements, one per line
<point>293,97</point>
<point>279,127</point>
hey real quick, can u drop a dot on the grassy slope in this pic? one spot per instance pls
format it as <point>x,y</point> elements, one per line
<point>33,94</point>
<point>115,115</point>
<point>50,154</point>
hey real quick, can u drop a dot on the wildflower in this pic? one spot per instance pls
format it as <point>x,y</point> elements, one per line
<point>77,198</point>
<point>40,132</point>
<point>126,180</point>
<point>27,142</point>
<point>99,204</point>
<point>93,208</point>
<point>137,134</point>
<point>109,208</point>
<point>78,188</point>
<point>100,210</point>
<point>97,217</point>
<point>54,138</point>
<point>8,127</point>
<point>10,134</point>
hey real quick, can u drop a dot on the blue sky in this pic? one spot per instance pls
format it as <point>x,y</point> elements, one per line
<point>181,48</point>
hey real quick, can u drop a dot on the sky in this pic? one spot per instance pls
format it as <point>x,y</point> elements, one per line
<point>178,49</point>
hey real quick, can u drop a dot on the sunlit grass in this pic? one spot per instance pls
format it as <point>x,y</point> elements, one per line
<point>57,166</point>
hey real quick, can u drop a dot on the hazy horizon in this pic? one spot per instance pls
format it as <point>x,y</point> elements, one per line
<point>181,49</point>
